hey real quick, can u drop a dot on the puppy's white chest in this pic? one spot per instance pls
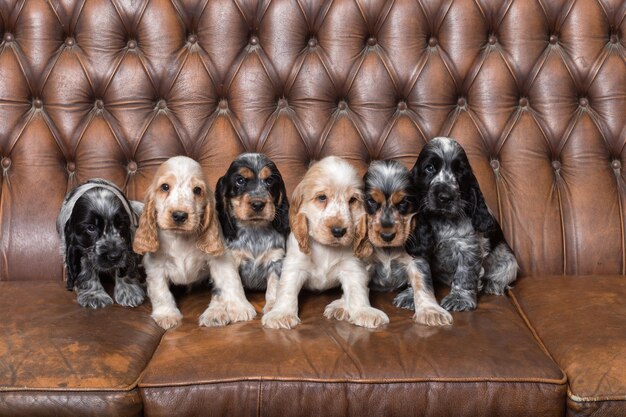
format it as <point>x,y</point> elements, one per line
<point>184,262</point>
<point>324,272</point>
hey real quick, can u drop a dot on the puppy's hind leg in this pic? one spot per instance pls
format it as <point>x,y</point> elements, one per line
<point>500,270</point>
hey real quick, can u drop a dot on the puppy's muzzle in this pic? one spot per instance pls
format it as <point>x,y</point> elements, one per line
<point>443,196</point>
<point>180,217</point>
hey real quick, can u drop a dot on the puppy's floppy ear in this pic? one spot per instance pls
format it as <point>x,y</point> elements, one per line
<point>281,217</point>
<point>362,246</point>
<point>421,240</point>
<point>147,237</point>
<point>73,256</point>
<point>298,221</point>
<point>221,205</point>
<point>210,239</point>
<point>482,219</point>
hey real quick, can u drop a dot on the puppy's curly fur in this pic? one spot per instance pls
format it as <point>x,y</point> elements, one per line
<point>181,237</point>
<point>253,211</point>
<point>328,235</point>
<point>455,231</point>
<point>96,225</point>
<point>390,203</point>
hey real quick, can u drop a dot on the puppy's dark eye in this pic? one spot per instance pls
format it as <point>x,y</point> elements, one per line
<point>371,203</point>
<point>269,181</point>
<point>321,198</point>
<point>165,187</point>
<point>429,169</point>
<point>240,181</point>
<point>353,200</point>
<point>403,205</point>
<point>91,228</point>
<point>197,190</point>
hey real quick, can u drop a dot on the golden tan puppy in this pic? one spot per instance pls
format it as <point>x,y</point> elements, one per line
<point>328,231</point>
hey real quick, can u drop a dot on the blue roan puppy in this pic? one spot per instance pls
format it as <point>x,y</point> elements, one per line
<point>390,203</point>
<point>455,231</point>
<point>96,225</point>
<point>254,214</point>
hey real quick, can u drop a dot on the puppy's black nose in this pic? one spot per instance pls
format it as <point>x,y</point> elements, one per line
<point>444,197</point>
<point>179,217</point>
<point>387,237</point>
<point>258,205</point>
<point>114,255</point>
<point>338,231</point>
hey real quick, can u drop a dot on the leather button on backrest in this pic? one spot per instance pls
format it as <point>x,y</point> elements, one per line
<point>6,162</point>
<point>432,42</point>
<point>132,166</point>
<point>37,103</point>
<point>223,104</point>
<point>132,44</point>
<point>342,105</point>
<point>402,105</point>
<point>254,40</point>
<point>461,102</point>
<point>71,166</point>
<point>312,43</point>
<point>556,165</point>
<point>371,41</point>
<point>192,39</point>
<point>523,102</point>
<point>70,41</point>
<point>99,104</point>
<point>492,39</point>
<point>583,102</point>
<point>553,39</point>
<point>8,37</point>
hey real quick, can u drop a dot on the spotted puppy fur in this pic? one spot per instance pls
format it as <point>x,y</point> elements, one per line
<point>455,231</point>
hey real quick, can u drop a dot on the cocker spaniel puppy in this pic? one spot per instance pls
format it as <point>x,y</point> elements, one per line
<point>328,232</point>
<point>181,237</point>
<point>253,211</point>
<point>390,203</point>
<point>455,230</point>
<point>96,225</point>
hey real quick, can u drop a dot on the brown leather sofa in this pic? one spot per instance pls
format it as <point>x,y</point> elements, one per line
<point>534,89</point>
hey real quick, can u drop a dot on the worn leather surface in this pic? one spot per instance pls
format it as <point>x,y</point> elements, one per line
<point>535,90</point>
<point>486,354</point>
<point>56,355</point>
<point>580,320</point>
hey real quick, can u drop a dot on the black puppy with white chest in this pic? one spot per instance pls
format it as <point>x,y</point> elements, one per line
<point>253,211</point>
<point>96,225</point>
<point>455,231</point>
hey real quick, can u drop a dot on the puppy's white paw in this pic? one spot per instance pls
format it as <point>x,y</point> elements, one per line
<point>276,319</point>
<point>221,314</point>
<point>337,310</point>
<point>168,321</point>
<point>240,311</point>
<point>129,294</point>
<point>94,299</point>
<point>432,315</point>
<point>369,317</point>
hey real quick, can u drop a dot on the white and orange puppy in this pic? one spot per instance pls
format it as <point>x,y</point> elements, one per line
<point>181,237</point>
<point>328,235</point>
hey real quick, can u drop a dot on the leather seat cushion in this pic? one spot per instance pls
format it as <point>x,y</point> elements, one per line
<point>486,364</point>
<point>580,320</point>
<point>57,358</point>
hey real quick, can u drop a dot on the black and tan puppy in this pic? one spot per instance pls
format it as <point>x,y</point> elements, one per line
<point>390,203</point>
<point>254,213</point>
<point>455,231</point>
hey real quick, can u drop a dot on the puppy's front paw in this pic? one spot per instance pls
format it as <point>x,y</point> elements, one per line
<point>369,317</point>
<point>459,302</point>
<point>129,294</point>
<point>432,315</point>
<point>279,320</point>
<point>94,299</point>
<point>168,321</point>
<point>336,310</point>
<point>240,311</point>
<point>269,305</point>
<point>214,316</point>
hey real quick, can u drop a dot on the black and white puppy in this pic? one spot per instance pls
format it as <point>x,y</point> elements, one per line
<point>254,214</point>
<point>96,225</point>
<point>391,204</point>
<point>455,231</point>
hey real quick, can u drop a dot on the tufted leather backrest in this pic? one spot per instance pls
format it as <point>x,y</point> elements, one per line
<point>534,89</point>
